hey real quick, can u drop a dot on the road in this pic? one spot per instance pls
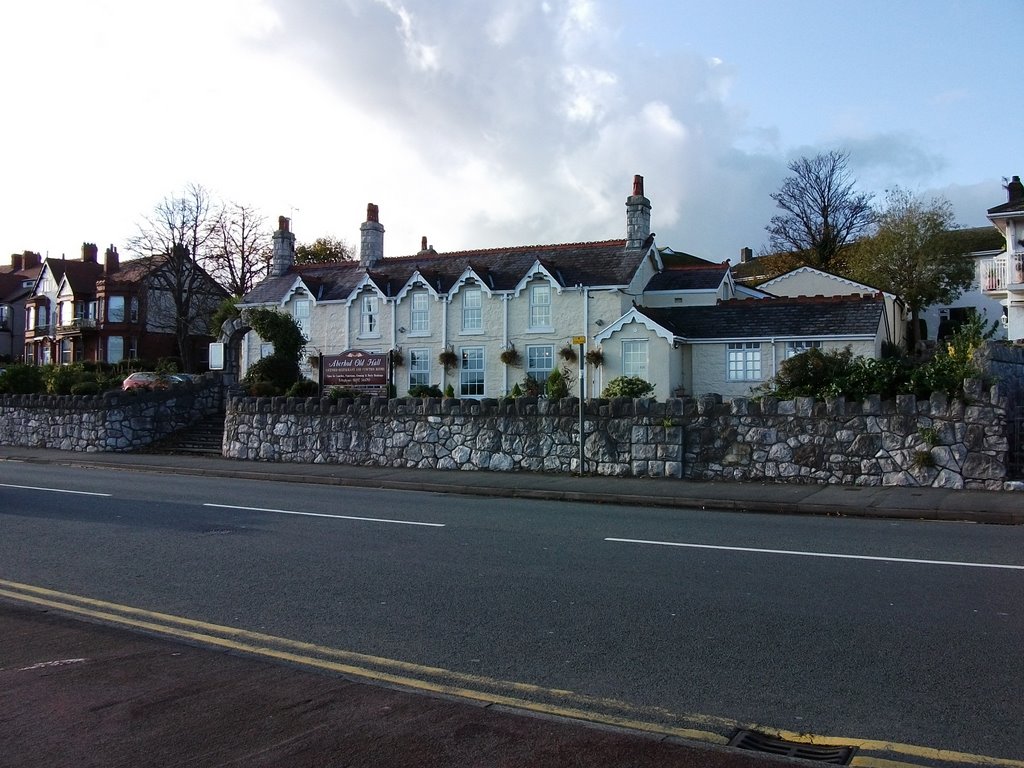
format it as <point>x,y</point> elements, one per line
<point>893,631</point>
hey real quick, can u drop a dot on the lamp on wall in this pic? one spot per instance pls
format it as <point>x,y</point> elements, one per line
<point>402,329</point>
<point>599,322</point>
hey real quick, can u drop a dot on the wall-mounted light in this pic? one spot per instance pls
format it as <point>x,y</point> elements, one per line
<point>599,323</point>
<point>402,329</point>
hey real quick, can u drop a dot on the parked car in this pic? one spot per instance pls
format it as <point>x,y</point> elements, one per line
<point>146,380</point>
<point>183,378</point>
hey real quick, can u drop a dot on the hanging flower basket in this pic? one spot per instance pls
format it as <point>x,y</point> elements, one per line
<point>448,359</point>
<point>397,358</point>
<point>568,354</point>
<point>511,357</point>
<point>595,357</point>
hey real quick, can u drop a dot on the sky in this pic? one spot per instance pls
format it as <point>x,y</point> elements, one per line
<point>487,124</point>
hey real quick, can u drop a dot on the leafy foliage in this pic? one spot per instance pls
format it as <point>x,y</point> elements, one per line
<point>839,373</point>
<point>323,250</point>
<point>914,255</point>
<point>425,390</point>
<point>627,386</point>
<point>303,388</point>
<point>21,379</point>
<point>227,310</point>
<point>281,368</point>
<point>556,387</point>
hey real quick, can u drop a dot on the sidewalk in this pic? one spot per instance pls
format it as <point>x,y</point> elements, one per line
<point>999,507</point>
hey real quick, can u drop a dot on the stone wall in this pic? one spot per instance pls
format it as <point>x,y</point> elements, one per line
<point>934,442</point>
<point>114,421</point>
<point>624,437</point>
<point>940,442</point>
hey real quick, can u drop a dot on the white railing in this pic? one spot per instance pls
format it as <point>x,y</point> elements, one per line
<point>999,272</point>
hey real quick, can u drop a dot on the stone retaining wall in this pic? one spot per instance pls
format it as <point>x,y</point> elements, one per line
<point>935,442</point>
<point>114,421</point>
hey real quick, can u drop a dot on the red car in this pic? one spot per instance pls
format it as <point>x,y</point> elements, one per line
<point>145,380</point>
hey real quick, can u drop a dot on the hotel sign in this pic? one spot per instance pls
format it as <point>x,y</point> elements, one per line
<point>355,369</point>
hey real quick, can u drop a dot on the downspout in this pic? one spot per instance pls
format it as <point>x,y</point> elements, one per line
<point>348,326</point>
<point>774,361</point>
<point>444,336</point>
<point>504,332</point>
<point>586,332</point>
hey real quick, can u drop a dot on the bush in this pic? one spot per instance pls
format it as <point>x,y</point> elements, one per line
<point>449,391</point>
<point>339,392</point>
<point>424,390</point>
<point>21,379</point>
<point>555,387</point>
<point>86,388</point>
<point>257,389</point>
<point>276,369</point>
<point>303,388</point>
<point>628,386</point>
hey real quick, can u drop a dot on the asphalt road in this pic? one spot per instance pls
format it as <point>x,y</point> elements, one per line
<point>911,636</point>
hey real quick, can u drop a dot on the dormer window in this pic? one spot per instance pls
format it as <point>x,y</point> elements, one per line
<point>472,309</point>
<point>419,316</point>
<point>540,307</point>
<point>369,317</point>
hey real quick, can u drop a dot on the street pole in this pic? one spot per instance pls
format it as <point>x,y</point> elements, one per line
<point>581,341</point>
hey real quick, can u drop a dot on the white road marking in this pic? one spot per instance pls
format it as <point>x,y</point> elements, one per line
<point>317,514</point>
<point>47,664</point>
<point>51,490</point>
<point>821,554</point>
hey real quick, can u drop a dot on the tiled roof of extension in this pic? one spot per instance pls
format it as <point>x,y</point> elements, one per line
<point>501,269</point>
<point>694,278</point>
<point>803,317</point>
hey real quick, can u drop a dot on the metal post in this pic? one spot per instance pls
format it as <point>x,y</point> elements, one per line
<point>581,341</point>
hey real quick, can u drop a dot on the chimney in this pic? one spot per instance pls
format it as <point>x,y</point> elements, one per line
<point>371,239</point>
<point>89,253</point>
<point>17,262</point>
<point>31,260</point>
<point>111,260</point>
<point>745,255</point>
<point>1015,191</point>
<point>638,215</point>
<point>282,258</point>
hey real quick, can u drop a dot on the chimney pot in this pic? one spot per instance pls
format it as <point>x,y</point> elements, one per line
<point>111,260</point>
<point>1015,191</point>
<point>283,223</point>
<point>423,243</point>
<point>372,212</point>
<point>638,185</point>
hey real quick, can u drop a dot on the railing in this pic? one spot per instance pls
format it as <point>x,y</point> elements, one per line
<point>78,324</point>
<point>999,272</point>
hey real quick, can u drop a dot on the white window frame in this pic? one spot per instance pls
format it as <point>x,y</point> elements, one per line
<point>796,347</point>
<point>743,361</point>
<point>301,313</point>
<point>540,307</point>
<point>536,353</point>
<point>472,372</point>
<point>472,310</point>
<point>419,314</point>
<point>419,367</point>
<point>635,358</point>
<point>369,317</point>
<point>115,306</point>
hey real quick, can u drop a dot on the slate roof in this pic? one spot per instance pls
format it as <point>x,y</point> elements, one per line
<point>81,275</point>
<point>805,317</point>
<point>11,280</point>
<point>706,277</point>
<point>501,269</point>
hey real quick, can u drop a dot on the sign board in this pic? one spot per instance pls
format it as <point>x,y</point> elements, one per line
<point>579,339</point>
<point>355,369</point>
<point>217,356</point>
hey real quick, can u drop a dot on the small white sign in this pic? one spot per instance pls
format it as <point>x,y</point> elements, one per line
<point>217,356</point>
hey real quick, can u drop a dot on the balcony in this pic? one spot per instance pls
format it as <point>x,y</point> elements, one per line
<point>77,325</point>
<point>1002,273</point>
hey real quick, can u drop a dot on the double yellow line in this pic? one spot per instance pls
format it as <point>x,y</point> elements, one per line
<point>520,696</point>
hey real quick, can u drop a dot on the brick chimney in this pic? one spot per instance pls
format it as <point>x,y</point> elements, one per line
<point>89,253</point>
<point>371,239</point>
<point>282,258</point>
<point>1015,191</point>
<point>111,260</point>
<point>17,262</point>
<point>746,254</point>
<point>31,260</point>
<point>638,215</point>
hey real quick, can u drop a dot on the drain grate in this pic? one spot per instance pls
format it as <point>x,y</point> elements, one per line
<point>759,742</point>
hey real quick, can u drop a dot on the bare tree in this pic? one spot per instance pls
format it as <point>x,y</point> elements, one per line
<point>822,212</point>
<point>180,297</point>
<point>238,251</point>
<point>186,219</point>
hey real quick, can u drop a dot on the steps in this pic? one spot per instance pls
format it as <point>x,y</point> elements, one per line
<point>202,438</point>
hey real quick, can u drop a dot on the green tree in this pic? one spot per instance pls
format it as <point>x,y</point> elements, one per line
<point>281,368</point>
<point>913,255</point>
<point>821,211</point>
<point>323,250</point>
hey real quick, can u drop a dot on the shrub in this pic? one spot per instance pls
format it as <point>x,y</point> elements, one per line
<point>530,387</point>
<point>517,391</point>
<point>86,388</point>
<point>258,389</point>
<point>627,386</point>
<point>556,388</point>
<point>60,378</point>
<point>425,390</point>
<point>276,369</point>
<point>21,379</point>
<point>303,388</point>
<point>449,391</point>
<point>339,392</point>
